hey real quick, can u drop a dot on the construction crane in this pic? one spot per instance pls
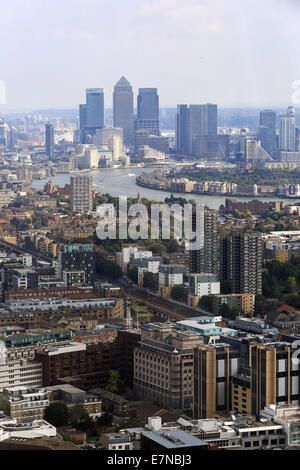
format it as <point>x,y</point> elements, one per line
<point>69,125</point>
<point>59,125</point>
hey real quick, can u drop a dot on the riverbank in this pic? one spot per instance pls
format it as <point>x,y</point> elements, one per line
<point>122,182</point>
<point>160,187</point>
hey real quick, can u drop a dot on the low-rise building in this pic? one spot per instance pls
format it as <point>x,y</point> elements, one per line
<point>24,404</point>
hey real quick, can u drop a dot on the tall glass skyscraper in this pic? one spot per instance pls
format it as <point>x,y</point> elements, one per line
<point>148,110</point>
<point>196,119</point>
<point>266,132</point>
<point>287,131</point>
<point>182,129</point>
<point>95,107</point>
<point>91,114</point>
<point>49,140</point>
<point>123,110</point>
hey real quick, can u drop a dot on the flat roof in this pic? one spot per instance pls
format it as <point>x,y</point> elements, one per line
<point>174,439</point>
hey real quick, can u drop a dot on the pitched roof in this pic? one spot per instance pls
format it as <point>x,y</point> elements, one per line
<point>123,82</point>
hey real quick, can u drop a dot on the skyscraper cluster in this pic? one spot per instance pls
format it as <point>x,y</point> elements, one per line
<point>91,114</point>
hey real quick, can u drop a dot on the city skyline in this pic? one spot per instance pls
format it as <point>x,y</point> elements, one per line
<point>224,52</point>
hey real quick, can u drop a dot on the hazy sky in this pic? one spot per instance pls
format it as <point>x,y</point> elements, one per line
<point>230,52</point>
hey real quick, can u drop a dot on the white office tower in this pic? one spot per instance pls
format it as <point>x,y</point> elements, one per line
<point>116,147</point>
<point>287,130</point>
<point>81,193</point>
<point>93,158</point>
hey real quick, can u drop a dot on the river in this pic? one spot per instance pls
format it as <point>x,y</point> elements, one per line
<point>121,182</point>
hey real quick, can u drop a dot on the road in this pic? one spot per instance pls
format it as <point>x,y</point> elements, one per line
<point>21,250</point>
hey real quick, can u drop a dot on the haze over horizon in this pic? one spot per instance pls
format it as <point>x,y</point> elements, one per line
<point>235,54</point>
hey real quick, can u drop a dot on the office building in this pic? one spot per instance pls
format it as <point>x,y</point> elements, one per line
<point>91,114</point>
<point>266,132</point>
<point>156,142</point>
<point>271,379</point>
<point>123,110</point>
<point>241,262</point>
<point>182,129</point>
<point>77,258</point>
<point>214,365</point>
<point>49,140</point>
<point>103,136</point>
<point>148,110</point>
<point>4,130</point>
<point>202,120</point>
<point>81,193</point>
<point>212,146</point>
<point>163,366</point>
<point>287,131</point>
<point>20,373</point>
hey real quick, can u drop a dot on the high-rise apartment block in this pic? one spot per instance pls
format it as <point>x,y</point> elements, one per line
<point>205,259</point>
<point>241,262</point>
<point>80,258</point>
<point>81,193</point>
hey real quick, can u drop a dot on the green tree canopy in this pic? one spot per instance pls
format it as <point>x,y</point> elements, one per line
<point>178,293</point>
<point>113,382</point>
<point>79,418</point>
<point>57,414</point>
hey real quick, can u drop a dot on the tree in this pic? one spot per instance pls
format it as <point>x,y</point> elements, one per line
<point>79,418</point>
<point>178,293</point>
<point>105,420</point>
<point>133,274</point>
<point>57,414</point>
<point>113,382</point>
<point>150,281</point>
<point>226,287</point>
<point>205,302</point>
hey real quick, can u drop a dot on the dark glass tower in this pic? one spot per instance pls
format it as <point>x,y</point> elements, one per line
<point>148,110</point>
<point>95,107</point>
<point>182,129</point>
<point>91,114</point>
<point>267,131</point>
